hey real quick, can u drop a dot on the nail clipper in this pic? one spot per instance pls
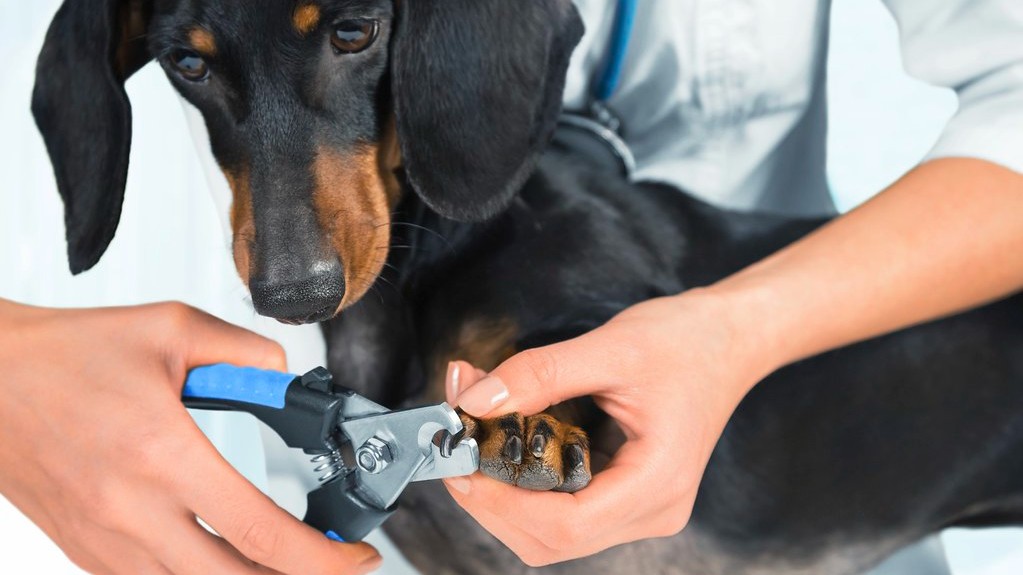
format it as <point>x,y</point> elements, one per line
<point>363,454</point>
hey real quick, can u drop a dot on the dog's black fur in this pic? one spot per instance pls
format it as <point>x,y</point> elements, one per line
<point>828,466</point>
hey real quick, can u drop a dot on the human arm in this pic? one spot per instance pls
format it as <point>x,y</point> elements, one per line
<point>98,450</point>
<point>940,240</point>
<point>671,371</point>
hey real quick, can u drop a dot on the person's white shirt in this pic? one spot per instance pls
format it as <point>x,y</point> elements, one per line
<point>726,98</point>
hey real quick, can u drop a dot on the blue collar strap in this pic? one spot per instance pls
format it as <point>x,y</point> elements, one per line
<point>625,18</point>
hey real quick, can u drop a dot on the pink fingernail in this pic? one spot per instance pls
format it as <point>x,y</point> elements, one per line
<point>459,484</point>
<point>482,398</point>
<point>453,382</point>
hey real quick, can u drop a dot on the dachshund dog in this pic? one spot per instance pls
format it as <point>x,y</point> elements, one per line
<point>393,178</point>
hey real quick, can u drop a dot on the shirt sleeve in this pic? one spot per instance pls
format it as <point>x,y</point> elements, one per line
<point>974,47</point>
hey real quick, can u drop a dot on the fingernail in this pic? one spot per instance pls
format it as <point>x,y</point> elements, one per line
<point>459,484</point>
<point>482,398</point>
<point>452,382</point>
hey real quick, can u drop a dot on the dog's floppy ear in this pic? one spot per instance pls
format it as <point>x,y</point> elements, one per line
<point>477,87</point>
<point>82,110</point>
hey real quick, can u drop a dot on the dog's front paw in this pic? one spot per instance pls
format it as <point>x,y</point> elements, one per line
<point>538,452</point>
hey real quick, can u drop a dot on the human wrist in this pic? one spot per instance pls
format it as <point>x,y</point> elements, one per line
<point>754,324</point>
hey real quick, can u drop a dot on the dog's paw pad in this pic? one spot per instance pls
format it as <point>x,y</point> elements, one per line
<point>537,452</point>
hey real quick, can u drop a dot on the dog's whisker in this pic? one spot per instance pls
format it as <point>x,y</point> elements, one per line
<point>374,290</point>
<point>379,277</point>
<point>360,278</point>
<point>391,267</point>
<point>375,287</point>
<point>446,241</point>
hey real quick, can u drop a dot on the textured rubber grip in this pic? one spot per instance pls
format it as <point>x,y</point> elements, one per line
<point>239,384</point>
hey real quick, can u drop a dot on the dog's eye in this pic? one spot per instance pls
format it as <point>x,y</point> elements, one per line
<point>351,36</point>
<point>190,65</point>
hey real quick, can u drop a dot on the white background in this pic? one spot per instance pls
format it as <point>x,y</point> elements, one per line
<point>170,244</point>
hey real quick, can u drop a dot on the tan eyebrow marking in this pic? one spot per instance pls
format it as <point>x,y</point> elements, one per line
<point>202,41</point>
<point>306,17</point>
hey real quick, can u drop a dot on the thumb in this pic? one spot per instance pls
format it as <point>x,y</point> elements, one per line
<point>198,338</point>
<point>535,379</point>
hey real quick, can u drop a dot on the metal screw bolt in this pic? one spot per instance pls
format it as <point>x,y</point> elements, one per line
<point>374,455</point>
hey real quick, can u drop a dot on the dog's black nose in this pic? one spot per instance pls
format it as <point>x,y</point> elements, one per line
<point>312,298</point>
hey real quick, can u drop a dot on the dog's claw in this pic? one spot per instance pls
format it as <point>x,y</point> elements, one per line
<point>574,457</point>
<point>577,474</point>
<point>449,441</point>
<point>513,449</point>
<point>539,443</point>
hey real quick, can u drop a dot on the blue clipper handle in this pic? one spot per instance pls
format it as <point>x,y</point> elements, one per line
<point>232,384</point>
<point>301,409</point>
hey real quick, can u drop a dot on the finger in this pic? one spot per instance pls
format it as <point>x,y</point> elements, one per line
<point>615,500</point>
<point>538,540</point>
<point>525,543</point>
<point>231,552</point>
<point>199,338</point>
<point>196,551</point>
<point>535,379</point>
<point>526,546</point>
<point>538,549</point>
<point>461,376</point>
<point>262,531</point>
<point>218,341</point>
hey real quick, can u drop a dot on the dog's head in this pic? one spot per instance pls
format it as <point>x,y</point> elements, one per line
<point>314,109</point>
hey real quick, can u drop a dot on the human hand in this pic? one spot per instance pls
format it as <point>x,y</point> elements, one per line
<point>98,450</point>
<point>670,372</point>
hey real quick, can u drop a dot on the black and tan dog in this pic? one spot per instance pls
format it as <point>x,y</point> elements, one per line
<point>400,146</point>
